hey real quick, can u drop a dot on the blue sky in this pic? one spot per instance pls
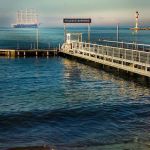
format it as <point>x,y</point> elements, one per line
<point>102,12</point>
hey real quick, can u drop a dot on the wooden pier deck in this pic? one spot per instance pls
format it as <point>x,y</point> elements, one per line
<point>133,61</point>
<point>28,53</point>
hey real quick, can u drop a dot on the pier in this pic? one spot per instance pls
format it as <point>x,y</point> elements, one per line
<point>28,53</point>
<point>131,58</point>
<point>128,60</point>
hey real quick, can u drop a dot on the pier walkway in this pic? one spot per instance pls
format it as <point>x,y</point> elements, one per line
<point>28,53</point>
<point>134,61</point>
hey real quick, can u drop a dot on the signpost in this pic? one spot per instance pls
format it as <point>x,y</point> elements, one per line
<point>77,21</point>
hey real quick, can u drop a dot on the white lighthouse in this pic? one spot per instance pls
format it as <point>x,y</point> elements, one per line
<point>137,20</point>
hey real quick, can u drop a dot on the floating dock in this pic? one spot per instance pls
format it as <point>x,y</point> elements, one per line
<point>128,60</point>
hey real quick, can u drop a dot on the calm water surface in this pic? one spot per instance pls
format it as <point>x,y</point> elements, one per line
<point>51,37</point>
<point>63,103</point>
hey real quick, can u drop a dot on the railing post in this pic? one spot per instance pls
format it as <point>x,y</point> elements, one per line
<point>132,60</point>
<point>122,44</point>
<point>139,56</point>
<point>98,49</point>
<point>122,58</point>
<point>148,58</point>
<point>113,55</point>
<point>147,61</point>
<point>106,50</point>
<point>103,53</point>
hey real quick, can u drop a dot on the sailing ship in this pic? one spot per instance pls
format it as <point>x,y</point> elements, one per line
<point>26,19</point>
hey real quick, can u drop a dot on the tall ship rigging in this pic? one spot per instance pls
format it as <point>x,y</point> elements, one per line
<point>26,19</point>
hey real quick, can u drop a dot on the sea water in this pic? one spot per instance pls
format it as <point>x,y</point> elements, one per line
<point>65,104</point>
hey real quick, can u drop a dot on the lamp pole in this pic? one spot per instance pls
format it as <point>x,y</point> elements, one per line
<point>118,32</point>
<point>37,38</point>
<point>37,34</point>
<point>89,28</point>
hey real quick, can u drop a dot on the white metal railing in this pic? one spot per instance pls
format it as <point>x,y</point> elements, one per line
<point>134,45</point>
<point>115,52</point>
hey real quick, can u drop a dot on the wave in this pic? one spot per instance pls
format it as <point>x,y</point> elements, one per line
<point>112,112</point>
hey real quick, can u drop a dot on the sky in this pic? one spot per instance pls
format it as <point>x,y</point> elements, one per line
<point>102,12</point>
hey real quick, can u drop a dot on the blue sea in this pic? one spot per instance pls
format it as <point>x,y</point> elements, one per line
<point>67,105</point>
<point>51,37</point>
